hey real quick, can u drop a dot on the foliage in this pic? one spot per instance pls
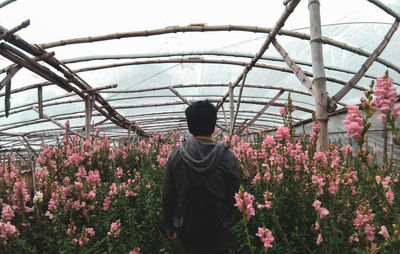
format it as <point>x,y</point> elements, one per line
<point>91,198</point>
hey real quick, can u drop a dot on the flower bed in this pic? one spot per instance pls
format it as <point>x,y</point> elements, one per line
<point>90,198</point>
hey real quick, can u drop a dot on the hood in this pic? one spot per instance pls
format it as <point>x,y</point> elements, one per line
<point>200,156</point>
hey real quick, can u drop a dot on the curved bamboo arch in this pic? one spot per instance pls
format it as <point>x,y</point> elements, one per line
<point>70,81</point>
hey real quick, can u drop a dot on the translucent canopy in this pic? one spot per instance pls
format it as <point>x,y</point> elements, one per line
<point>163,55</point>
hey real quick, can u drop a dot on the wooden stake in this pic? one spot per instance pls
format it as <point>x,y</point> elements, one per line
<point>15,29</point>
<point>7,98</point>
<point>89,104</point>
<point>231,105</point>
<point>40,101</point>
<point>319,81</point>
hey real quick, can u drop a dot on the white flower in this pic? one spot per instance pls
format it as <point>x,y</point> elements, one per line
<point>38,197</point>
<point>49,214</point>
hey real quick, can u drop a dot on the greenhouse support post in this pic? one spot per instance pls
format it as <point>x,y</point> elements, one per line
<point>319,79</point>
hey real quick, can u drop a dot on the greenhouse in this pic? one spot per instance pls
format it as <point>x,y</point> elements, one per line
<point>92,103</point>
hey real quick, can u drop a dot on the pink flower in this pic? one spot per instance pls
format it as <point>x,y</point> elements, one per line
<point>269,142</point>
<point>7,231</point>
<point>7,213</point>
<point>384,233</point>
<point>135,250</point>
<point>316,127</point>
<point>354,123</point>
<point>106,204</point>
<point>266,237</point>
<point>323,212</point>
<point>319,239</point>
<point>90,231</point>
<point>317,204</point>
<point>91,195</point>
<point>283,134</point>
<point>244,202</point>
<point>114,229</point>
<point>282,111</point>
<point>390,196</point>
<point>386,96</point>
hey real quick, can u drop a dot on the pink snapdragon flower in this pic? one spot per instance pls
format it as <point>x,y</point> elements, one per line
<point>244,202</point>
<point>7,231</point>
<point>7,212</point>
<point>386,96</point>
<point>269,142</point>
<point>135,250</point>
<point>266,237</point>
<point>384,233</point>
<point>90,231</point>
<point>115,229</point>
<point>354,123</point>
<point>323,212</point>
<point>283,134</point>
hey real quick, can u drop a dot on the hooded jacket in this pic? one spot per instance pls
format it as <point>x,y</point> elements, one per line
<point>213,163</point>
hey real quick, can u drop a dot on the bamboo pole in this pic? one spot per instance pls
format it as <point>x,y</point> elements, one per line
<point>238,101</point>
<point>202,53</point>
<point>293,66</point>
<point>179,95</point>
<point>262,110</point>
<point>319,80</point>
<point>231,105</point>
<point>386,9</point>
<point>7,103</point>
<point>6,3</point>
<point>176,29</point>
<point>89,103</point>
<point>59,124</point>
<point>281,21</point>
<point>10,73</point>
<point>367,64</point>
<point>37,51</point>
<point>6,33</point>
<point>207,61</point>
<point>40,101</point>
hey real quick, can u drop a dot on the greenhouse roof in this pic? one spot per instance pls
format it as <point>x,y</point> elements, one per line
<point>139,64</point>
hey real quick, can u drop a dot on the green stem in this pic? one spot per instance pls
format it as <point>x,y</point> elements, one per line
<point>247,232</point>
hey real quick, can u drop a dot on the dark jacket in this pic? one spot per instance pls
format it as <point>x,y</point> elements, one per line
<point>200,159</point>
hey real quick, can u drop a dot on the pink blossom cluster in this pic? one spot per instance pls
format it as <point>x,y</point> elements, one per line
<point>8,231</point>
<point>362,222</point>
<point>115,229</point>
<point>266,237</point>
<point>244,202</point>
<point>354,123</point>
<point>323,212</point>
<point>386,96</point>
<point>283,134</point>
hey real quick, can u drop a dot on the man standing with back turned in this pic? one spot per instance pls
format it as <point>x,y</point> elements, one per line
<point>200,182</point>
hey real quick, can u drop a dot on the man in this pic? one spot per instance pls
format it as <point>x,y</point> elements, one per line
<point>199,184</point>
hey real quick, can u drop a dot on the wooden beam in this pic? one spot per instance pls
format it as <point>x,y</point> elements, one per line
<point>281,21</point>
<point>10,73</point>
<point>293,66</point>
<point>4,34</point>
<point>262,111</point>
<point>367,64</point>
<point>59,124</point>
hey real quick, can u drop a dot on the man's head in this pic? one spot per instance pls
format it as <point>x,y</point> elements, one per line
<point>201,118</point>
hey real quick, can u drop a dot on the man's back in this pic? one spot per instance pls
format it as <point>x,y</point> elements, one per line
<point>199,176</point>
